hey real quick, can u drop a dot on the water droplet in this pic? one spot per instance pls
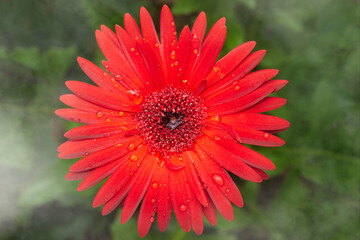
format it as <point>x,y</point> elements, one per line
<point>204,186</point>
<point>184,81</point>
<point>105,74</point>
<point>121,114</point>
<point>183,207</point>
<point>165,184</point>
<point>132,49</point>
<point>227,190</point>
<point>172,54</point>
<point>217,138</point>
<point>133,158</point>
<point>196,51</point>
<point>180,69</point>
<point>266,135</point>
<point>188,200</point>
<point>176,63</point>
<point>131,146</point>
<point>172,23</point>
<point>174,33</point>
<point>86,153</point>
<point>152,219</point>
<point>212,155</point>
<point>215,118</point>
<point>172,65</point>
<point>156,45</point>
<point>154,185</point>
<point>131,173</point>
<point>119,145</point>
<point>237,88</point>
<point>124,128</point>
<point>155,209</point>
<point>218,179</point>
<point>107,120</point>
<point>99,114</point>
<point>233,75</point>
<point>153,200</point>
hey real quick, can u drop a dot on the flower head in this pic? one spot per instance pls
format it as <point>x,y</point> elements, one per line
<point>167,122</point>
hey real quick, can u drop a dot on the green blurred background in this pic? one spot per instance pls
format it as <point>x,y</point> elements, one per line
<point>313,193</point>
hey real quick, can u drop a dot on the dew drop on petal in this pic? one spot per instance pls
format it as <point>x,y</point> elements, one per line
<point>107,120</point>
<point>152,219</point>
<point>105,74</point>
<point>155,209</point>
<point>156,45</point>
<point>227,190</point>
<point>119,145</point>
<point>172,23</point>
<point>133,158</point>
<point>172,54</point>
<point>131,173</point>
<point>86,153</point>
<point>188,200</point>
<point>132,49</point>
<point>204,186</point>
<point>99,114</point>
<point>217,138</point>
<point>266,135</point>
<point>218,179</point>
<point>121,114</point>
<point>154,185</point>
<point>131,146</point>
<point>196,51</point>
<point>183,207</point>
<point>237,88</point>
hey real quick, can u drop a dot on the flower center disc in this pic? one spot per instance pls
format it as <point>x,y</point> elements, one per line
<point>171,120</point>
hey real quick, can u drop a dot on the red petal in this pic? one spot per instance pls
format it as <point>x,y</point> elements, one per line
<point>238,89</point>
<point>101,96</point>
<point>100,77</point>
<point>227,159</point>
<point>255,121</point>
<point>194,181</point>
<point>99,174</point>
<point>210,213</point>
<point>99,130</point>
<point>153,62</point>
<point>78,116</point>
<point>113,53</point>
<point>179,198</point>
<point>197,221</point>
<point>71,176</point>
<point>262,174</point>
<point>149,204</point>
<point>78,148</point>
<point>197,34</point>
<point>182,55</point>
<point>105,156</point>
<point>260,138</point>
<point>268,104</point>
<point>226,64</point>
<point>135,59</point>
<point>220,201</point>
<point>131,27</point>
<point>121,176</point>
<point>241,70</point>
<point>246,101</point>
<point>168,38</point>
<point>164,202</point>
<point>209,53</point>
<point>137,192</point>
<point>247,155</point>
<point>111,35</point>
<point>223,181</point>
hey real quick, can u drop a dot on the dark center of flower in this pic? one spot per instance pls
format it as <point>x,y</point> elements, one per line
<point>171,120</point>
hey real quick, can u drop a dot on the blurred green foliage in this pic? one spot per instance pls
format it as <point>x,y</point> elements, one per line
<point>313,193</point>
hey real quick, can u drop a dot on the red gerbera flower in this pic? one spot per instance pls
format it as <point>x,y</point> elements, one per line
<point>167,120</point>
